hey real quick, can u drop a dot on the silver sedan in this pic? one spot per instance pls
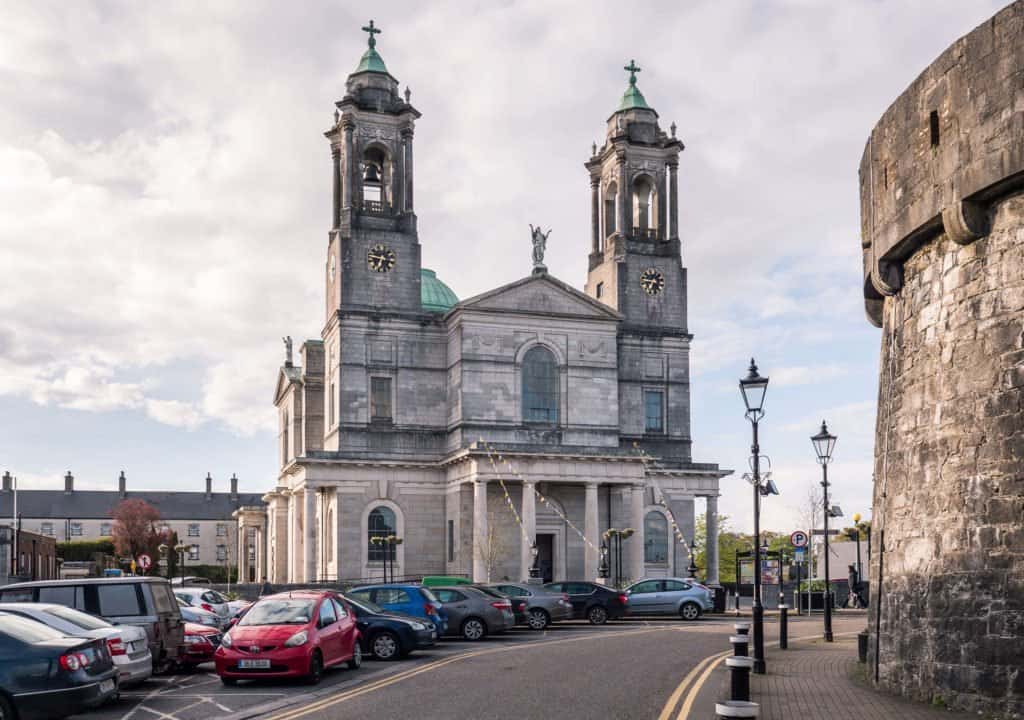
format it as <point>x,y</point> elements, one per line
<point>542,606</point>
<point>687,599</point>
<point>472,613</point>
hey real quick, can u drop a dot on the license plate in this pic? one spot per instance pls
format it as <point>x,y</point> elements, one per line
<point>433,635</point>
<point>106,686</point>
<point>254,664</point>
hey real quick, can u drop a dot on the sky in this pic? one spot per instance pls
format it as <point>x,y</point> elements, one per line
<point>165,201</point>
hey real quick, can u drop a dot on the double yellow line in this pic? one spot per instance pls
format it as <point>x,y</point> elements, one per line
<point>355,692</point>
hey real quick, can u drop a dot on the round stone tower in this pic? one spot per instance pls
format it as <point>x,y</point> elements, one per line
<point>942,219</point>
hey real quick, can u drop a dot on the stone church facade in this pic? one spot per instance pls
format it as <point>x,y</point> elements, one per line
<point>520,423</point>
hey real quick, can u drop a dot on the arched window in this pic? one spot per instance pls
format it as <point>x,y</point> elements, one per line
<point>655,538</point>
<point>374,186</point>
<point>610,194</point>
<point>380,523</point>
<point>643,205</point>
<point>540,386</point>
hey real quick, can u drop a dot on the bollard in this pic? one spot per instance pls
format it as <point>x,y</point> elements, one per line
<point>742,628</point>
<point>737,602</point>
<point>739,645</point>
<point>736,709</point>
<point>862,646</point>
<point>739,677</point>
<point>783,626</point>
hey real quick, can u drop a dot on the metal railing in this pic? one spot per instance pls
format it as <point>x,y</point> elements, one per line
<point>645,233</point>
<point>375,207</point>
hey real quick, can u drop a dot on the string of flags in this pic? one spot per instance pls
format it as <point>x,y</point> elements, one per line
<point>648,460</point>
<point>508,501</point>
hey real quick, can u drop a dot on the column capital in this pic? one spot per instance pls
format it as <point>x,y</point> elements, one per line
<point>592,485</point>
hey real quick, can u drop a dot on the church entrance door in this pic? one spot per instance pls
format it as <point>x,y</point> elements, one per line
<point>546,556</point>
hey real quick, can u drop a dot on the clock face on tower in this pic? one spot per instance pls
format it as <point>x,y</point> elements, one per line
<point>380,258</point>
<point>652,281</point>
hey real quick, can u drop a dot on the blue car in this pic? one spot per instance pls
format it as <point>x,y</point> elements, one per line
<point>410,599</point>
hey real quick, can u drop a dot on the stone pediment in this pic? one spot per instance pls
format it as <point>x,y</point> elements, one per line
<point>542,295</point>
<point>285,377</point>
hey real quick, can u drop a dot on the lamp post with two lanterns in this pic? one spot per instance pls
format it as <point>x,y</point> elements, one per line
<point>823,443</point>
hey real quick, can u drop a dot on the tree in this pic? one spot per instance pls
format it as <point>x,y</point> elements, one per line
<point>728,544</point>
<point>135,530</point>
<point>493,548</point>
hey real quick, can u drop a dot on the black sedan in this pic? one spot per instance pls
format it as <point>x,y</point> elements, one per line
<point>45,674</point>
<point>390,635</point>
<point>596,603</point>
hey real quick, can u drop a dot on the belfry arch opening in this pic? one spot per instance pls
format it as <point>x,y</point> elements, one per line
<point>611,194</point>
<point>375,176</point>
<point>645,208</point>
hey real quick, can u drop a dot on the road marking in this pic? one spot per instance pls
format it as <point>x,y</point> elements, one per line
<point>385,682</point>
<point>666,712</point>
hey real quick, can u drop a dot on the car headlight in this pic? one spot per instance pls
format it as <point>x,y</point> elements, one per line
<point>417,626</point>
<point>226,640</point>
<point>297,639</point>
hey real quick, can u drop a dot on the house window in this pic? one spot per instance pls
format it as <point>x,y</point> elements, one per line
<point>193,529</point>
<point>600,290</point>
<point>222,530</point>
<point>540,386</point>
<point>451,541</point>
<point>46,528</point>
<point>76,528</point>
<point>284,440</point>
<point>105,529</point>
<point>933,127</point>
<point>380,399</point>
<point>222,553</point>
<point>655,538</point>
<point>381,523</point>
<point>193,552</point>
<point>654,411</point>
<point>330,407</point>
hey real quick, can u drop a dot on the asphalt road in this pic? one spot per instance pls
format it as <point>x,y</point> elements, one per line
<point>626,669</point>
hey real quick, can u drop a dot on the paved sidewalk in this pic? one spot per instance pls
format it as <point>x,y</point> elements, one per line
<point>815,680</point>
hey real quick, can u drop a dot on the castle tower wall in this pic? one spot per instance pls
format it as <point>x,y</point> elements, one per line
<point>942,198</point>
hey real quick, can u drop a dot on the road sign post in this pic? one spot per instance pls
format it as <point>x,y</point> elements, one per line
<point>144,561</point>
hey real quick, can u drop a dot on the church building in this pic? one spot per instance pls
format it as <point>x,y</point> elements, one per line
<point>505,432</point>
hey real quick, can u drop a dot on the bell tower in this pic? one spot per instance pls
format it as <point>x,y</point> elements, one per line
<point>373,256</point>
<point>635,265</point>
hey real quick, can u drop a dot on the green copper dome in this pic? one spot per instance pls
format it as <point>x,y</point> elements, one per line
<point>371,62</point>
<point>435,296</point>
<point>632,98</point>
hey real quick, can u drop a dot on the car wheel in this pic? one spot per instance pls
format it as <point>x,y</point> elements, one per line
<point>473,629</point>
<point>689,611</point>
<point>537,619</point>
<point>597,615</point>
<point>384,646</point>
<point>316,668</point>
<point>6,709</point>
<point>356,660</point>
<point>230,682</point>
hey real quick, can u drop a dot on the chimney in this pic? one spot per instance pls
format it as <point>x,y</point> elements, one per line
<point>209,487</point>
<point>234,487</point>
<point>69,483</point>
<point>7,481</point>
<point>122,484</point>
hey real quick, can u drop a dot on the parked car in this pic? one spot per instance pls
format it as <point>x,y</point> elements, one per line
<point>199,616</point>
<point>409,599</point>
<point>146,602</point>
<point>594,602</point>
<point>432,581</point>
<point>205,599</point>
<point>472,613</point>
<point>237,607</point>
<point>518,603</point>
<point>127,644</point>
<point>290,634</point>
<point>542,606</point>
<point>390,635</point>
<point>191,580</point>
<point>46,674</point>
<point>669,596</point>
<point>201,642</point>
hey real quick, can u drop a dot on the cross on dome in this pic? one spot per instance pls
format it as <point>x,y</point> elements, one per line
<point>371,41</point>
<point>632,68</point>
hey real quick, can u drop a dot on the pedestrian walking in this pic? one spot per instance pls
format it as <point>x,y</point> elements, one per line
<point>265,588</point>
<point>853,579</point>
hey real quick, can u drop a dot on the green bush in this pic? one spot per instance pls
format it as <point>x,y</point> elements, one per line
<point>215,573</point>
<point>84,550</point>
<point>815,586</point>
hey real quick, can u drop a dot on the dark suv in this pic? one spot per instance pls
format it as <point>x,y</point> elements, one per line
<point>596,603</point>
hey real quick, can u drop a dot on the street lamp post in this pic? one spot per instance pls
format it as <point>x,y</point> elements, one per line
<point>856,527</point>
<point>534,569</point>
<point>617,536</point>
<point>180,549</point>
<point>693,569</point>
<point>602,567</point>
<point>824,442</point>
<point>753,387</point>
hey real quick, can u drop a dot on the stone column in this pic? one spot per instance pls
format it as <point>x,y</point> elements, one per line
<point>398,180</point>
<point>595,213</point>
<point>673,194</point>
<point>310,526</point>
<point>480,548</point>
<point>636,543</point>
<point>591,553</point>
<point>336,194</point>
<point>711,541</point>
<point>407,136</point>
<point>529,536</point>
<point>351,165</point>
<point>337,534</point>
<point>661,201</point>
<point>240,553</point>
<point>625,197</point>
<point>291,541</point>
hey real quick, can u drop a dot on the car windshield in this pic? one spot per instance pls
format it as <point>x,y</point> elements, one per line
<point>365,606</point>
<point>26,630</point>
<point>279,612</point>
<point>81,619</point>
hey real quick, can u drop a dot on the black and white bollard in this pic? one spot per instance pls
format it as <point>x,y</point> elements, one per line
<point>742,628</point>
<point>783,626</point>
<point>736,709</point>
<point>739,677</point>
<point>740,643</point>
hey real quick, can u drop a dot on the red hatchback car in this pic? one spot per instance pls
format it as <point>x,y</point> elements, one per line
<point>291,634</point>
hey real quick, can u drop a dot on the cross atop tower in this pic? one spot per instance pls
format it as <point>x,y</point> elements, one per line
<point>632,68</point>
<point>372,41</point>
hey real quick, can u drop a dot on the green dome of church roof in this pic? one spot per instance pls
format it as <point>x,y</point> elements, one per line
<point>371,60</point>
<point>435,296</point>
<point>632,98</point>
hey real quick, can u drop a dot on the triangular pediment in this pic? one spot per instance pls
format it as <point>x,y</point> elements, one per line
<point>541,294</point>
<point>285,377</point>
